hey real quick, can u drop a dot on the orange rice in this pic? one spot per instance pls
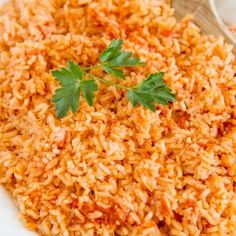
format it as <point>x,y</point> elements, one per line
<point>233,29</point>
<point>112,169</point>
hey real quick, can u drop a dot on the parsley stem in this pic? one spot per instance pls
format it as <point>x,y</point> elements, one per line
<point>74,82</point>
<point>113,84</point>
<point>94,67</point>
<point>107,82</point>
<point>90,67</point>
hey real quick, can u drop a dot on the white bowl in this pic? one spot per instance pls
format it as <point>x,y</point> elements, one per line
<point>226,9</point>
<point>225,17</point>
<point>10,224</point>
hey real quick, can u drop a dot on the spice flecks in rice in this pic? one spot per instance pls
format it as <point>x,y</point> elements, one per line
<point>112,169</point>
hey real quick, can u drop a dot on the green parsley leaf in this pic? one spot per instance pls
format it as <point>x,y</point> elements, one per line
<point>144,99</point>
<point>112,51</point>
<point>73,83</point>
<point>68,96</point>
<point>114,57</point>
<point>75,70</point>
<point>152,90</point>
<point>66,75</point>
<point>113,71</point>
<point>125,59</point>
<point>88,88</point>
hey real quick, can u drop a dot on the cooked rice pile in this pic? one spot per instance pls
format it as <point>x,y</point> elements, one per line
<point>112,169</point>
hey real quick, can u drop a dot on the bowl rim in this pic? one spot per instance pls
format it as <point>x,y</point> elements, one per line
<point>220,21</point>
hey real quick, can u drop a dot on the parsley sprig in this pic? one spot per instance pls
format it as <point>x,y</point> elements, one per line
<point>76,80</point>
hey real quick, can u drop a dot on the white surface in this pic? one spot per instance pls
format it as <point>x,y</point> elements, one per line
<point>10,225</point>
<point>226,9</point>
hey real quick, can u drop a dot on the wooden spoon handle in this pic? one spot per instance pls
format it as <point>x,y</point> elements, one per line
<point>205,16</point>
